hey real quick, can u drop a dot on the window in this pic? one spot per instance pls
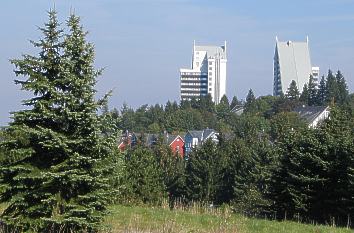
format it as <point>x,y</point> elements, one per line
<point>210,73</point>
<point>210,68</point>
<point>209,89</point>
<point>197,64</point>
<point>197,53</point>
<point>210,63</point>
<point>209,84</point>
<point>209,79</point>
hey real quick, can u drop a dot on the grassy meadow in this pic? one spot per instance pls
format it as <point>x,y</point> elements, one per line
<point>129,219</point>
<point>140,219</point>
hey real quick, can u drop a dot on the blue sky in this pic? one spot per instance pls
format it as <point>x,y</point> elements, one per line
<point>143,43</point>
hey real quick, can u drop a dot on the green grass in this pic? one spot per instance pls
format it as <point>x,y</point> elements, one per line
<point>140,219</point>
<point>157,220</point>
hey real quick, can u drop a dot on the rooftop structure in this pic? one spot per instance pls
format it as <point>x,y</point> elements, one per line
<point>313,115</point>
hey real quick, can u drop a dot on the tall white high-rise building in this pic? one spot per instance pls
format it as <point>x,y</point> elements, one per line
<point>207,75</point>
<point>292,62</point>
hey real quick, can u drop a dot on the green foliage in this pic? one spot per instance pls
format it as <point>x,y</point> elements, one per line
<point>223,108</point>
<point>173,170</point>
<point>142,178</point>
<point>51,176</point>
<point>321,93</point>
<point>234,102</point>
<point>142,219</point>
<point>293,92</point>
<point>250,102</point>
<point>314,178</point>
<point>312,89</point>
<point>342,94</point>
<point>203,173</point>
<point>284,123</point>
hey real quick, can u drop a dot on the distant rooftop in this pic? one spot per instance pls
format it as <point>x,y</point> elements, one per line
<point>310,113</point>
<point>212,51</point>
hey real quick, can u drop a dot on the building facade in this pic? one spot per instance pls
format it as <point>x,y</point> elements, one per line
<point>195,138</point>
<point>207,75</point>
<point>292,62</point>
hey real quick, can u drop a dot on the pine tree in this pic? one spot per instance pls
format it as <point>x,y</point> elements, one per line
<point>293,92</point>
<point>203,174</point>
<point>223,108</point>
<point>321,93</point>
<point>299,177</point>
<point>337,136</point>
<point>304,97</point>
<point>343,93</point>
<point>312,88</point>
<point>143,177</point>
<point>53,173</point>
<point>250,105</point>
<point>331,88</point>
<point>173,168</point>
<point>234,102</point>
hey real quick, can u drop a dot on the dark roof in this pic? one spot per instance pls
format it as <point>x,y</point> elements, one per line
<point>169,138</point>
<point>310,113</point>
<point>201,134</point>
<point>207,133</point>
<point>196,134</point>
<point>152,139</point>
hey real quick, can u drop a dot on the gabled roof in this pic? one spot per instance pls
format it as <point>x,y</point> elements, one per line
<point>171,138</point>
<point>207,133</point>
<point>310,113</point>
<point>196,134</point>
<point>201,134</point>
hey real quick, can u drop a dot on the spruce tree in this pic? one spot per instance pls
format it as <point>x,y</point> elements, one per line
<point>299,177</point>
<point>331,88</point>
<point>250,105</point>
<point>312,89</point>
<point>53,175</point>
<point>321,93</point>
<point>203,174</point>
<point>293,91</point>
<point>343,93</point>
<point>223,108</point>
<point>304,97</point>
<point>142,177</point>
<point>173,169</point>
<point>234,102</point>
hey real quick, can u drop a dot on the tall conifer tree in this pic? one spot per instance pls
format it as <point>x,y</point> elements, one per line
<point>312,89</point>
<point>304,97</point>
<point>51,174</point>
<point>321,93</point>
<point>293,92</point>
<point>331,87</point>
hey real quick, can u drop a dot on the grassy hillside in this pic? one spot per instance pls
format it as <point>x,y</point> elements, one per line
<point>139,219</point>
<point>156,220</point>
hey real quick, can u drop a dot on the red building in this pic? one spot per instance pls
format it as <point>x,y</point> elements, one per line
<point>177,144</point>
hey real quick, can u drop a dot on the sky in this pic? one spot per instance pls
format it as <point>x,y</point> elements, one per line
<point>142,44</point>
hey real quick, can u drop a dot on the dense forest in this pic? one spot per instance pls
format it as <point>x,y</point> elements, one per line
<point>60,166</point>
<point>267,162</point>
